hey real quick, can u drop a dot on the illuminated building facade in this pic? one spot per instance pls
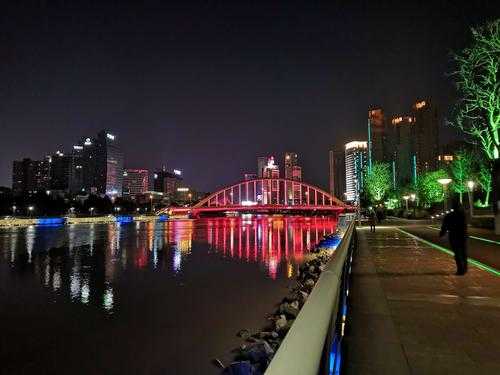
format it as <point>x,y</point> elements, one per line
<point>426,135</point>
<point>271,170</point>
<point>30,176</point>
<point>135,181</point>
<point>356,160</point>
<point>337,178</point>
<point>249,176</point>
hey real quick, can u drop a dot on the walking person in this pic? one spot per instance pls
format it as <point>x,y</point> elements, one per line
<point>456,225</point>
<point>373,220</point>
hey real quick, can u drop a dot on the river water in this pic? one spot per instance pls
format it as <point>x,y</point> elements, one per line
<point>143,298</point>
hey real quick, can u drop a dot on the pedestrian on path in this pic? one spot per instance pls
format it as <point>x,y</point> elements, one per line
<point>373,220</point>
<point>456,225</point>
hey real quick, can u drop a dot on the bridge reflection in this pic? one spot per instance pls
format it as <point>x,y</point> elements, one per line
<point>269,240</point>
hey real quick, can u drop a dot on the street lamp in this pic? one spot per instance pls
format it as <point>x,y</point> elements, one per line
<point>151,201</point>
<point>406,197</point>
<point>14,210</point>
<point>470,185</point>
<point>91,209</point>
<point>445,182</point>
<point>30,210</point>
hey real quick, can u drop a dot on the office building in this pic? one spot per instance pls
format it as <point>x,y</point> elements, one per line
<point>76,177</point>
<point>30,176</point>
<point>261,164</point>
<point>356,160</point>
<point>135,182</point>
<point>291,161</point>
<point>337,177</point>
<point>376,136</point>
<point>167,182</point>
<point>426,135</point>
<point>271,170</point>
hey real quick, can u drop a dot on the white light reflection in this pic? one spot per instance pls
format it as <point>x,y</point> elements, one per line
<point>85,292</point>
<point>30,241</point>
<point>108,299</point>
<point>177,260</point>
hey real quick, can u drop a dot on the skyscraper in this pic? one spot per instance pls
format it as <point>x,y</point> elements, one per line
<point>261,164</point>
<point>135,181</point>
<point>291,160</point>
<point>337,170</point>
<point>356,160</point>
<point>376,136</point>
<point>30,176</point>
<point>426,135</point>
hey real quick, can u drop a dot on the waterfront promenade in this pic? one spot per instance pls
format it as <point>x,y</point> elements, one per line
<point>410,314</point>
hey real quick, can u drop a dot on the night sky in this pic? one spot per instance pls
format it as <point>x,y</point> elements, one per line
<point>206,88</point>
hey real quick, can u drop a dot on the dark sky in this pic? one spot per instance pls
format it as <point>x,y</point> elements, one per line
<point>208,87</point>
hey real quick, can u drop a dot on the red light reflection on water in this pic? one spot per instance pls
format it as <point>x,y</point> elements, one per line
<point>267,239</point>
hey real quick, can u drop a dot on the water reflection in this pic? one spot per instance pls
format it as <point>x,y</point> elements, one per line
<point>93,261</point>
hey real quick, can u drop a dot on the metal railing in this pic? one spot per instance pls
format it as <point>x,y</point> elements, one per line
<point>313,344</point>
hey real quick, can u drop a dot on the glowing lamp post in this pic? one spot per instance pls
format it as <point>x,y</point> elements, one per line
<point>151,201</point>
<point>445,182</point>
<point>30,210</point>
<point>91,209</point>
<point>470,185</point>
<point>14,208</point>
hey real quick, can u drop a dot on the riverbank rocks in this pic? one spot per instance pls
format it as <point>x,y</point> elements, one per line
<point>257,354</point>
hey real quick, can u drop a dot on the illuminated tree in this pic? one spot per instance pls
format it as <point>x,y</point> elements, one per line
<point>378,181</point>
<point>477,81</point>
<point>429,189</point>
<point>484,180</point>
<point>461,170</point>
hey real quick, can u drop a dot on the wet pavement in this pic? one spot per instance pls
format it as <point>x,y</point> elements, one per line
<point>410,314</point>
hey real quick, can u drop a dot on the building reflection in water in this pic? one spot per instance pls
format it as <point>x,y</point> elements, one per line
<point>91,259</point>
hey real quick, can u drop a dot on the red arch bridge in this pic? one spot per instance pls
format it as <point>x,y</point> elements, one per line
<point>264,195</point>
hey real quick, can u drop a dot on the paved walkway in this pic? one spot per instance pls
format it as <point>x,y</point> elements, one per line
<point>411,315</point>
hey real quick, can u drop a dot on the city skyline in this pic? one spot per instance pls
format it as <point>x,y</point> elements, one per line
<point>293,77</point>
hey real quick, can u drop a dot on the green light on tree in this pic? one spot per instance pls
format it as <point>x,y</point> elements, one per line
<point>429,189</point>
<point>484,180</point>
<point>477,81</point>
<point>461,170</point>
<point>378,181</point>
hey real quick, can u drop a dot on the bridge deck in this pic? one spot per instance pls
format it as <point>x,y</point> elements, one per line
<point>411,315</point>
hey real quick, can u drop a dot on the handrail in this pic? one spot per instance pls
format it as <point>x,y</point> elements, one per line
<point>302,349</point>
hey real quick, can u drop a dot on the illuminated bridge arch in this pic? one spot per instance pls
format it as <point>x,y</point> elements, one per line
<point>266,193</point>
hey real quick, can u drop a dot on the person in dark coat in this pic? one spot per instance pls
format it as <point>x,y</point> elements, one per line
<point>456,225</point>
<point>373,220</point>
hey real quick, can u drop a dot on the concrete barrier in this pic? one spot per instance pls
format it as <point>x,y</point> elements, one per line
<point>302,350</point>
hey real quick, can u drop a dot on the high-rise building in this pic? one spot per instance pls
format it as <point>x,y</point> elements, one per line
<point>135,181</point>
<point>271,170</point>
<point>291,161</point>
<point>405,156</point>
<point>261,164</point>
<point>30,176</point>
<point>426,135</point>
<point>337,177</point>
<point>376,136</point>
<point>296,173</point>
<point>60,171</point>
<point>167,182</point>
<point>356,160</point>
<point>102,162</point>
<point>76,177</point>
